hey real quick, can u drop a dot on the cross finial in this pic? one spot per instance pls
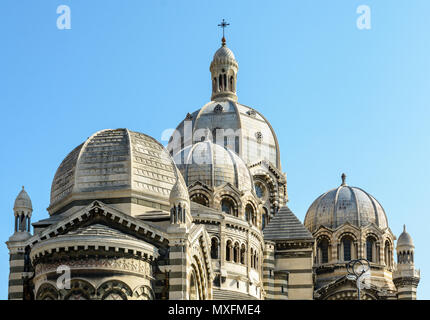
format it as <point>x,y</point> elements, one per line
<point>223,25</point>
<point>343,179</point>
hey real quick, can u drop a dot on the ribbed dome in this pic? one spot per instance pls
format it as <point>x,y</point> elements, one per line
<point>179,191</point>
<point>345,204</point>
<point>224,53</point>
<point>405,239</point>
<point>117,164</point>
<point>22,201</point>
<point>213,165</point>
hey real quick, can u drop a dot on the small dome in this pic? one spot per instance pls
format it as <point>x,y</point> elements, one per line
<point>213,165</point>
<point>345,204</point>
<point>224,53</point>
<point>120,164</point>
<point>23,201</point>
<point>405,239</point>
<point>179,191</point>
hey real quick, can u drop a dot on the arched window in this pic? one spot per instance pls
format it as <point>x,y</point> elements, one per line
<point>200,199</point>
<point>225,81</point>
<point>214,134</point>
<point>264,218</point>
<point>252,258</point>
<point>242,254</point>
<point>370,249</point>
<point>231,84</point>
<point>387,254</point>
<point>347,248</point>
<point>220,86</point>
<point>236,144</point>
<point>249,214</point>
<point>236,252</point>
<point>323,251</point>
<point>228,249</point>
<point>214,248</point>
<point>227,206</point>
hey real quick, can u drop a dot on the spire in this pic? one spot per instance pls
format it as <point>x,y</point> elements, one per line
<point>404,228</point>
<point>343,179</point>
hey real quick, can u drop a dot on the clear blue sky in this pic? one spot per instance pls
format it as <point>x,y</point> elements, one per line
<point>339,98</point>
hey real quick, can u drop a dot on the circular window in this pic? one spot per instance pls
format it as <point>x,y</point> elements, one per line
<point>260,190</point>
<point>218,108</point>
<point>259,137</point>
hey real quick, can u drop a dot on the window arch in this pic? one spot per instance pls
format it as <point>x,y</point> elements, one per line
<point>252,258</point>
<point>214,248</point>
<point>228,206</point>
<point>388,254</point>
<point>200,199</point>
<point>264,218</point>
<point>347,248</point>
<point>231,83</point>
<point>228,250</point>
<point>323,250</point>
<point>250,214</point>
<point>371,249</point>
<point>236,252</point>
<point>242,254</point>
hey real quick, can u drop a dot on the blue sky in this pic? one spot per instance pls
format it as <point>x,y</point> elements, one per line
<point>340,99</point>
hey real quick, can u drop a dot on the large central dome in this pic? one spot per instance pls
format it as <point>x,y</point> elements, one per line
<point>127,168</point>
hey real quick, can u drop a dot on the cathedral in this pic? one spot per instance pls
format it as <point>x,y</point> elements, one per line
<point>204,218</point>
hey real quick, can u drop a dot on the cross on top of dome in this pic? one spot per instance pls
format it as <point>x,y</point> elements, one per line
<point>223,25</point>
<point>343,179</point>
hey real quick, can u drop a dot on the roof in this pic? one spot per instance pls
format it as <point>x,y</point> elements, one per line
<point>286,226</point>
<point>99,231</point>
<point>213,165</point>
<point>345,204</point>
<point>405,239</point>
<point>115,161</point>
<point>22,201</point>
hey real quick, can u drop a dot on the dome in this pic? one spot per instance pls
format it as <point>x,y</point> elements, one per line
<point>179,191</point>
<point>224,53</point>
<point>213,165</point>
<point>120,165</point>
<point>22,201</point>
<point>345,204</point>
<point>405,239</point>
<point>248,131</point>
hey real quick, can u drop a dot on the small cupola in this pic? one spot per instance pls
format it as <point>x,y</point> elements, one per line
<point>223,70</point>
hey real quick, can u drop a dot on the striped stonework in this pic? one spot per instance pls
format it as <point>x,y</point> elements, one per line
<point>281,285</point>
<point>16,281</point>
<point>406,287</point>
<point>178,271</point>
<point>269,270</point>
<point>296,258</point>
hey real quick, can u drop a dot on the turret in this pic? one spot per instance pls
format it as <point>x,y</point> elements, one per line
<point>406,277</point>
<point>223,70</point>
<point>16,244</point>
<point>180,213</point>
